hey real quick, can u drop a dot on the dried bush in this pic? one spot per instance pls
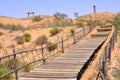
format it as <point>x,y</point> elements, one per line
<point>51,46</point>
<point>41,40</point>
<point>36,18</point>
<point>55,31</point>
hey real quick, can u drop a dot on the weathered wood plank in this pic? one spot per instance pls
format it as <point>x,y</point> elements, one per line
<point>67,65</point>
<point>50,75</point>
<point>47,78</point>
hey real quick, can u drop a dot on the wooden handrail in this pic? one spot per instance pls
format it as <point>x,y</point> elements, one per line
<point>95,64</point>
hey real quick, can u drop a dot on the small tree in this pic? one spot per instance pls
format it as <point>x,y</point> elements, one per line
<point>76,14</point>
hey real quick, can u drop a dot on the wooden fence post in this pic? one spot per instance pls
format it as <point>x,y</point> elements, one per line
<point>84,31</point>
<point>74,38</point>
<point>42,50</point>
<point>15,65</point>
<point>116,28</point>
<point>62,45</point>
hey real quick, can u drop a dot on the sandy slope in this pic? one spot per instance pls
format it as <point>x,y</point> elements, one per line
<point>8,38</point>
<point>9,20</point>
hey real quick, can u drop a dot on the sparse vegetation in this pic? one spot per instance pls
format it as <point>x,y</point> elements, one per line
<point>12,26</point>
<point>27,37</point>
<point>116,74</point>
<point>1,25</point>
<point>3,71</point>
<point>1,33</point>
<point>80,24</point>
<point>37,18</point>
<point>58,15</point>
<point>41,40</point>
<point>10,63</point>
<point>72,31</point>
<point>20,40</point>
<point>26,68</point>
<point>51,46</point>
<point>8,66</point>
<point>55,31</point>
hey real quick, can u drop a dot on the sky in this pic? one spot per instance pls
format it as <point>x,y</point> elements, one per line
<point>19,8</point>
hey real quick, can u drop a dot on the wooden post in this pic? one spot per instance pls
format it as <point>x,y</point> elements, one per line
<point>84,31</point>
<point>74,38</point>
<point>42,50</point>
<point>116,29</point>
<point>62,45</point>
<point>15,65</point>
<point>110,48</point>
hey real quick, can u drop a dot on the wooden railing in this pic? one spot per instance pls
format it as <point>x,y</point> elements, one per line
<point>17,61</point>
<point>105,54</point>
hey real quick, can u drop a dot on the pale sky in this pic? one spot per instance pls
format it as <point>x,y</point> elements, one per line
<point>19,8</point>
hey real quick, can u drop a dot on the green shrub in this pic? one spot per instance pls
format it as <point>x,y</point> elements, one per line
<point>80,24</point>
<point>72,31</point>
<point>55,31</point>
<point>41,40</point>
<point>27,37</point>
<point>10,63</point>
<point>51,46</point>
<point>36,18</point>
<point>116,74</point>
<point>4,71</point>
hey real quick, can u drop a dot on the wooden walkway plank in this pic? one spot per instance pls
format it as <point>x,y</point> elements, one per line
<point>68,65</point>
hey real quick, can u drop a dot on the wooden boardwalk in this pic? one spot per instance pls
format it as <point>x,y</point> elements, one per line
<point>70,65</point>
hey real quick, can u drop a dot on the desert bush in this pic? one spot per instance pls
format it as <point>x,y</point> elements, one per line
<point>80,24</point>
<point>10,63</point>
<point>1,33</point>
<point>36,18</point>
<point>13,27</point>
<point>116,74</point>
<point>51,46</point>
<point>26,68</point>
<point>27,37</point>
<point>1,25</point>
<point>20,40</point>
<point>55,31</point>
<point>72,31</point>
<point>4,71</point>
<point>41,40</point>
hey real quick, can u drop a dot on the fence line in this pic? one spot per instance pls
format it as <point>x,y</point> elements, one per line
<point>105,52</point>
<point>12,63</point>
